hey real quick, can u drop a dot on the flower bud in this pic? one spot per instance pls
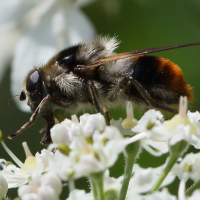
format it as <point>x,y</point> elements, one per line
<point>1,136</point>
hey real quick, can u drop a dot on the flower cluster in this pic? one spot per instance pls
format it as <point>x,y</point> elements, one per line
<point>87,147</point>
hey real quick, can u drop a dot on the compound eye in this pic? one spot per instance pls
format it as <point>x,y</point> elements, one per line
<point>33,81</point>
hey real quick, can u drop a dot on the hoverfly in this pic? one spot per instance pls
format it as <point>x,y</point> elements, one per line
<point>88,74</point>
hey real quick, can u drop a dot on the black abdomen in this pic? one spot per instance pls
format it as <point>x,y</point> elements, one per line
<point>145,70</point>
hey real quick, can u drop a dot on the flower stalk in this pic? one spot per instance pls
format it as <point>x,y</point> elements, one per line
<point>132,151</point>
<point>94,188</point>
<point>97,185</point>
<point>176,151</point>
<point>194,187</point>
<point>72,188</point>
<point>19,163</point>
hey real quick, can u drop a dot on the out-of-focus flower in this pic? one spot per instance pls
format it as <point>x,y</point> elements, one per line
<point>36,30</point>
<point>3,186</point>
<point>144,179</point>
<point>43,187</point>
<point>188,167</point>
<point>164,195</point>
<point>111,183</point>
<point>195,195</point>
<point>16,176</point>
<point>141,181</point>
<point>80,194</point>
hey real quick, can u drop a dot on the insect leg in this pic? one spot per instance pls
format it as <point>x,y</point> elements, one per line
<point>106,113</point>
<point>152,102</point>
<point>32,119</point>
<point>94,96</point>
<point>49,117</point>
<point>95,101</point>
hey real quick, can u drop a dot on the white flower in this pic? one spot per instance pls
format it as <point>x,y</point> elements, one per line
<point>91,123</point>
<point>156,148</point>
<point>91,147</point>
<point>41,187</point>
<point>195,195</point>
<point>188,167</point>
<point>16,176</point>
<point>180,127</point>
<point>66,130</point>
<point>143,179</point>
<point>80,194</point>
<point>141,182</point>
<point>105,150</point>
<point>184,127</point>
<point>153,147</point>
<point>151,124</point>
<point>60,133</point>
<point>3,186</point>
<point>36,30</point>
<point>111,183</point>
<point>159,195</point>
<point>151,133</point>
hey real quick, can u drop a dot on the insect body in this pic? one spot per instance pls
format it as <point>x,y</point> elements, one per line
<point>88,74</point>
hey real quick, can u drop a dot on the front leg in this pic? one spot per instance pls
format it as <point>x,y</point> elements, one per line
<point>32,119</point>
<point>49,117</point>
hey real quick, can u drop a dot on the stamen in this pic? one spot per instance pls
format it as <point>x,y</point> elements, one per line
<point>74,118</point>
<point>183,105</point>
<point>26,149</point>
<point>18,162</point>
<point>129,110</point>
<point>130,121</point>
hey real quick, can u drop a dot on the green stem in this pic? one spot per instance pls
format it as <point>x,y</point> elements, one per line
<point>97,185</point>
<point>131,155</point>
<point>94,189</point>
<point>176,151</point>
<point>192,188</point>
<point>72,188</point>
<point>170,164</point>
<point>100,189</point>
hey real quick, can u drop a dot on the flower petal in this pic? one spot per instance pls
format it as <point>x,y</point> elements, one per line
<point>13,176</point>
<point>35,46</point>
<point>3,186</point>
<point>80,28</point>
<point>7,41</point>
<point>12,12</point>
